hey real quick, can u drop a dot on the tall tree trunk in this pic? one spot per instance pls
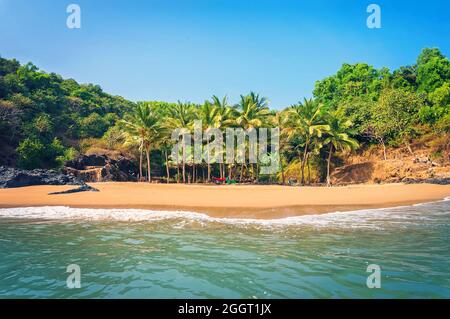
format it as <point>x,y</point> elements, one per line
<point>328,166</point>
<point>283,178</point>
<point>224,170</point>
<point>178,173</point>
<point>384,148</point>
<point>140,164</point>
<point>309,168</point>
<point>408,147</point>
<point>194,173</point>
<point>203,174</point>
<point>167,166</point>
<point>184,161</point>
<point>242,173</point>
<point>184,171</point>
<point>149,173</point>
<point>209,166</point>
<point>305,154</point>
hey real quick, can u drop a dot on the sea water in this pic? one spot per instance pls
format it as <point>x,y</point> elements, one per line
<point>153,254</point>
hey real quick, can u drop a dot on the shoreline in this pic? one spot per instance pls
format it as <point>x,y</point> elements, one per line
<point>229,201</point>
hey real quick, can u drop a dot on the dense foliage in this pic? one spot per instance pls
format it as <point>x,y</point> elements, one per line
<point>45,120</point>
<point>43,116</point>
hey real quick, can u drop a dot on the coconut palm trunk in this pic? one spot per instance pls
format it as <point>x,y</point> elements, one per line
<point>184,164</point>
<point>149,173</point>
<point>305,154</point>
<point>242,173</point>
<point>209,167</point>
<point>167,166</point>
<point>257,172</point>
<point>328,165</point>
<point>309,168</point>
<point>140,163</point>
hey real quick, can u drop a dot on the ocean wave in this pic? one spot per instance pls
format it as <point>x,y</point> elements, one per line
<point>367,218</point>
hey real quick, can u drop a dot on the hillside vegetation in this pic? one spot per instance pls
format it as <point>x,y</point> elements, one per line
<point>359,114</point>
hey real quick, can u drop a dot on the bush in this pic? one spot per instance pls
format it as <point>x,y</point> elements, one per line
<point>429,114</point>
<point>33,153</point>
<point>30,153</point>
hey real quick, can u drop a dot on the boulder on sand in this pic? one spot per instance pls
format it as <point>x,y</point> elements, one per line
<point>13,177</point>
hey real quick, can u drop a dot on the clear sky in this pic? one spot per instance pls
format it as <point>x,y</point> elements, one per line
<point>191,49</point>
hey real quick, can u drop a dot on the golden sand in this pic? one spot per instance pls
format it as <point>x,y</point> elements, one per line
<point>244,201</point>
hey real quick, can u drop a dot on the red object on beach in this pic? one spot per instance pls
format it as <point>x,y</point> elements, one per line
<point>219,179</point>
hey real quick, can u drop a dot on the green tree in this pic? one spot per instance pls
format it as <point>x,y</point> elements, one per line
<point>440,105</point>
<point>209,115</point>
<point>280,119</point>
<point>307,120</point>
<point>225,118</point>
<point>180,116</point>
<point>433,69</point>
<point>338,137</point>
<point>35,154</point>
<point>251,113</point>
<point>143,125</point>
<point>351,81</point>
<point>396,113</point>
<point>405,78</point>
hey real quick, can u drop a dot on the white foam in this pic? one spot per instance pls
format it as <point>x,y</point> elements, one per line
<point>369,218</point>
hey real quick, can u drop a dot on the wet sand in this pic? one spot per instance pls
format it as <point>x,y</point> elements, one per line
<point>233,201</point>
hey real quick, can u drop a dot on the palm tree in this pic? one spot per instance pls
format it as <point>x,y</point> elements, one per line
<point>225,118</point>
<point>180,116</point>
<point>280,119</point>
<point>337,137</point>
<point>307,119</point>
<point>261,102</point>
<point>143,125</point>
<point>165,144</point>
<point>252,112</point>
<point>208,114</point>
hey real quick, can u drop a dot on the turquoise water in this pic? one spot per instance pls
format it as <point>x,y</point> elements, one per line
<point>144,254</point>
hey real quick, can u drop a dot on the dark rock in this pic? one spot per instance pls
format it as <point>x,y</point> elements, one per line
<point>439,181</point>
<point>101,168</point>
<point>84,161</point>
<point>12,177</point>
<point>84,188</point>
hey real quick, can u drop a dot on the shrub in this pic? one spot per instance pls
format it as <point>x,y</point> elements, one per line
<point>30,152</point>
<point>33,153</point>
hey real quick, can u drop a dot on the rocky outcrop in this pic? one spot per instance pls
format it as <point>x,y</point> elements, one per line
<point>101,168</point>
<point>12,177</point>
<point>84,188</point>
<point>392,171</point>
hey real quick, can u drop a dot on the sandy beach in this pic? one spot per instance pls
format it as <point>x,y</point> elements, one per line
<point>243,201</point>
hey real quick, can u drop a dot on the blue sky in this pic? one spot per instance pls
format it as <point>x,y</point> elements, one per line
<point>192,49</point>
